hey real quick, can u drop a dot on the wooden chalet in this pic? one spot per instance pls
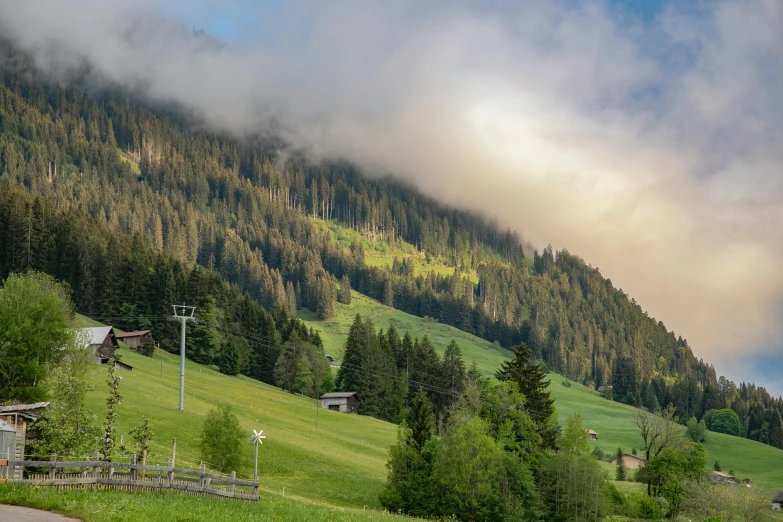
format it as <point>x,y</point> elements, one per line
<point>346,402</point>
<point>133,340</point>
<point>592,435</point>
<point>102,342</point>
<point>631,461</point>
<point>19,417</point>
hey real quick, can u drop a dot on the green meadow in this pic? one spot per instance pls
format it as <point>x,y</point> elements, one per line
<point>342,462</point>
<point>334,331</point>
<point>124,506</point>
<point>614,423</point>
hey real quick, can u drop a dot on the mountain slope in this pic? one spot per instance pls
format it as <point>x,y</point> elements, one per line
<point>334,331</point>
<point>234,207</point>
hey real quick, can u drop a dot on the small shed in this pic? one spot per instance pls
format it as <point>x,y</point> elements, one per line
<point>592,435</point>
<point>7,447</point>
<point>346,402</point>
<point>102,342</point>
<point>19,417</point>
<point>329,358</point>
<point>777,501</point>
<point>133,339</point>
<point>631,461</point>
<point>723,478</point>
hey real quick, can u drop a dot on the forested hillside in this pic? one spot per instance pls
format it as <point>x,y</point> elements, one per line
<point>125,202</point>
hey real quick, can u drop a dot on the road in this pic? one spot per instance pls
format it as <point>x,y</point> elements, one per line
<point>23,514</point>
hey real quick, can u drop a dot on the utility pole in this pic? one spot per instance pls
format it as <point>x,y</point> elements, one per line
<point>183,314</point>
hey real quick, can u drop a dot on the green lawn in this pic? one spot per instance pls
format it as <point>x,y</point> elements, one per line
<point>341,463</point>
<point>614,423</point>
<point>334,331</point>
<point>120,506</point>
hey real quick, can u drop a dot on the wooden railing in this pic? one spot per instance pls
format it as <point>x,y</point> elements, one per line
<point>118,475</point>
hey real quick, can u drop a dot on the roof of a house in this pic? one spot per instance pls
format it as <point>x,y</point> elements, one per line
<point>722,474</point>
<point>137,333</point>
<point>778,497</point>
<point>591,432</point>
<point>339,395</point>
<point>94,335</point>
<point>4,426</point>
<point>631,455</point>
<point>26,410</point>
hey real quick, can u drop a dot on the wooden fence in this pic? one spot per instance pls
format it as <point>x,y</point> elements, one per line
<point>133,476</point>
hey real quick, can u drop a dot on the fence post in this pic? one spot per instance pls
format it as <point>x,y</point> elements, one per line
<point>52,469</point>
<point>111,469</point>
<point>133,466</point>
<point>203,472</point>
<point>233,481</point>
<point>171,471</point>
<point>95,468</point>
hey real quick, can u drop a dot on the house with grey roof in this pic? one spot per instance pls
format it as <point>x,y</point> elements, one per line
<point>346,402</point>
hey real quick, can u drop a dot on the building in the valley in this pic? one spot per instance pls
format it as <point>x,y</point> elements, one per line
<point>631,461</point>
<point>133,340</point>
<point>346,402</point>
<point>19,417</point>
<point>592,435</point>
<point>102,343</point>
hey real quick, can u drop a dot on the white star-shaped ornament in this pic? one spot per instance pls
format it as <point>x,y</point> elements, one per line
<point>256,436</point>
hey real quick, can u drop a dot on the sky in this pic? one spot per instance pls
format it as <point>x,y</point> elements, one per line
<point>644,136</point>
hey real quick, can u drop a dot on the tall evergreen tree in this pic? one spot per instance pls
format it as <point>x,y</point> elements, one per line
<point>532,381</point>
<point>421,420</point>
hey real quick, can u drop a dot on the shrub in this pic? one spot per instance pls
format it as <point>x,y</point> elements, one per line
<point>646,507</point>
<point>221,440</point>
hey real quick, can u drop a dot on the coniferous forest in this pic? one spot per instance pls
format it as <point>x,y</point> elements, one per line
<point>138,207</point>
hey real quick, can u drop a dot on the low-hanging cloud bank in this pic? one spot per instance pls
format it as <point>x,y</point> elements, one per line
<point>652,149</point>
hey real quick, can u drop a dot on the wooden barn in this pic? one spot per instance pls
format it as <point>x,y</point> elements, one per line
<point>19,417</point>
<point>102,342</point>
<point>592,435</point>
<point>631,461</point>
<point>346,402</point>
<point>133,340</point>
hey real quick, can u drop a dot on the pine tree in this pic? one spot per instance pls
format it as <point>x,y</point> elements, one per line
<point>388,293</point>
<point>533,384</point>
<point>344,295</point>
<point>148,346</point>
<point>621,473</point>
<point>421,420</point>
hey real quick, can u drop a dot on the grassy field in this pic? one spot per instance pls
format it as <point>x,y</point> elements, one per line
<point>334,331</point>
<point>120,506</point>
<point>341,463</point>
<point>614,423</point>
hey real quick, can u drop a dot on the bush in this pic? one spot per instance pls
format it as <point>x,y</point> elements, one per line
<point>598,453</point>
<point>221,440</point>
<point>646,507</point>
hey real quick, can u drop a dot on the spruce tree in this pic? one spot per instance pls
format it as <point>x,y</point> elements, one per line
<point>421,420</point>
<point>533,384</point>
<point>344,295</point>
<point>621,473</point>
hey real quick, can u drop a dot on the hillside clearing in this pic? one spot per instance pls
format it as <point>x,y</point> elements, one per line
<point>334,331</point>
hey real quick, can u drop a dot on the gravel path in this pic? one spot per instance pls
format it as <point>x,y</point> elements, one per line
<point>23,514</point>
